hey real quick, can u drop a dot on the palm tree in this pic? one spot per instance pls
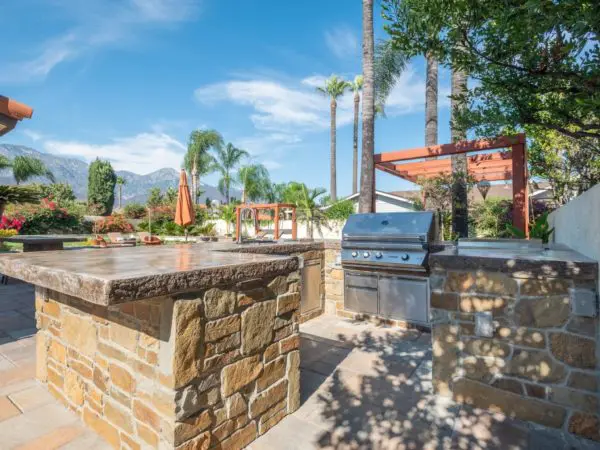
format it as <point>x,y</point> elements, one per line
<point>228,214</point>
<point>367,178</point>
<point>254,180</point>
<point>431,100</point>
<point>356,87</point>
<point>460,212</point>
<point>25,168</point>
<point>198,161</point>
<point>334,88</point>
<point>305,200</point>
<point>121,182</point>
<point>226,159</point>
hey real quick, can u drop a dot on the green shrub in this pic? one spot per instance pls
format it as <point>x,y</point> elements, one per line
<point>61,193</point>
<point>135,211</point>
<point>101,187</point>
<point>489,219</point>
<point>340,210</point>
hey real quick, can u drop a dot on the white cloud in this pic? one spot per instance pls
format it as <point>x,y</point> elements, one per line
<point>278,107</point>
<point>142,153</point>
<point>271,164</point>
<point>96,24</point>
<point>31,134</point>
<point>342,41</point>
<point>263,143</point>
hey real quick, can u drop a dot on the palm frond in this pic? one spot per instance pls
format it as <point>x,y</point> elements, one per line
<point>389,65</point>
<point>26,167</point>
<point>19,194</point>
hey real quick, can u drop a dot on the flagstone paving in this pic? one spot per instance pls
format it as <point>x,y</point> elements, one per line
<point>363,387</point>
<point>30,418</point>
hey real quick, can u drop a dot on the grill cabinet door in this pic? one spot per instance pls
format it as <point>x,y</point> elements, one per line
<point>360,293</point>
<point>311,286</point>
<point>404,298</point>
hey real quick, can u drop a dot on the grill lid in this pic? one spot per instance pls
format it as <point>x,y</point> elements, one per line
<point>401,226</point>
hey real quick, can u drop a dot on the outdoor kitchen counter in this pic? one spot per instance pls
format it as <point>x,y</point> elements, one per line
<point>117,275</point>
<point>557,261</point>
<point>170,347</point>
<point>515,330</point>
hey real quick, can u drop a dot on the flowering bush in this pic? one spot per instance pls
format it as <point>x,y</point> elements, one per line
<point>113,224</point>
<point>47,218</point>
<point>13,224</point>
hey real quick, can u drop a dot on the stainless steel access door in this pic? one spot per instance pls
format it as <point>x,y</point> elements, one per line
<point>404,298</point>
<point>360,292</point>
<point>311,286</point>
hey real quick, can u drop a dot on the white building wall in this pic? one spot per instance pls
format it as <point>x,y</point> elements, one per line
<point>577,224</point>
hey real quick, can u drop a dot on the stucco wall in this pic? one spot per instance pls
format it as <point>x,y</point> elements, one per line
<point>577,224</point>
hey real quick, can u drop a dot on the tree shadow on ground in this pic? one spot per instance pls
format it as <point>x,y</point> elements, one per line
<point>376,393</point>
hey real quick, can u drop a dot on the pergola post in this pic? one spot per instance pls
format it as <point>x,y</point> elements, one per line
<point>238,223</point>
<point>276,232</point>
<point>294,225</point>
<point>520,197</point>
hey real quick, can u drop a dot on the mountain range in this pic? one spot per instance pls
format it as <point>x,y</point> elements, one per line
<point>75,172</point>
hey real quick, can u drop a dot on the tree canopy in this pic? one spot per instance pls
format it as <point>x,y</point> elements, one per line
<point>534,63</point>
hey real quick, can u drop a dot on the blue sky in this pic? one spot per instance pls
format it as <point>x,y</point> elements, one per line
<point>127,80</point>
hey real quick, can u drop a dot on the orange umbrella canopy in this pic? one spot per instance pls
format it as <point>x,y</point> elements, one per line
<point>184,213</point>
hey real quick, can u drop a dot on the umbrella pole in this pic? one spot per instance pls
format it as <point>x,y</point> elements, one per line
<point>150,223</point>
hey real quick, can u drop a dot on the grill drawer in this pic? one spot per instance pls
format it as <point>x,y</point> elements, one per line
<point>360,293</point>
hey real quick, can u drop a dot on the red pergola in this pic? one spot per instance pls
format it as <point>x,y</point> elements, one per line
<point>276,208</point>
<point>503,165</point>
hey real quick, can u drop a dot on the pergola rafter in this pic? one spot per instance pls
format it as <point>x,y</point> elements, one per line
<point>497,166</point>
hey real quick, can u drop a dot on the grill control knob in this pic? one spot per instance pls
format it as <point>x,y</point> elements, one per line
<point>354,254</point>
<point>366,254</point>
<point>378,255</point>
<point>405,257</point>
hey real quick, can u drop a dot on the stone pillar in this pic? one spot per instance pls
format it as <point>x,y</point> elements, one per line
<point>540,362</point>
<point>216,368</point>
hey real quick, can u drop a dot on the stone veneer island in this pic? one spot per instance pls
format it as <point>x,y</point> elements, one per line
<point>540,360</point>
<point>181,347</point>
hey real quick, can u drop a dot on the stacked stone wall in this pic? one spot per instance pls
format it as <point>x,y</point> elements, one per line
<point>541,362</point>
<point>213,369</point>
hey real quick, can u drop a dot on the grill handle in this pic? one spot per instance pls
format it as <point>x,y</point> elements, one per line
<point>371,237</point>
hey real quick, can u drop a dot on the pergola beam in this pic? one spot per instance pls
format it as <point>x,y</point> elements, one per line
<point>450,149</point>
<point>497,166</point>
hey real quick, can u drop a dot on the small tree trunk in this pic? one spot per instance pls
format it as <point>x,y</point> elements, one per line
<point>460,212</point>
<point>366,203</point>
<point>194,187</point>
<point>333,175</point>
<point>120,196</point>
<point>355,145</point>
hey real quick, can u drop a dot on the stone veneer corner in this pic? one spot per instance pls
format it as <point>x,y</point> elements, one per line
<point>541,364</point>
<point>216,368</point>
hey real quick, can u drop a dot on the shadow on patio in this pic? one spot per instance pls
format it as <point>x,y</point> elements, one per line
<point>368,387</point>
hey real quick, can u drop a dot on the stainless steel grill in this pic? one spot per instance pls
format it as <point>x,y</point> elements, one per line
<point>385,257</point>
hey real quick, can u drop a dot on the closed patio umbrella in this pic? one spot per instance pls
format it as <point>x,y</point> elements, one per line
<point>184,213</point>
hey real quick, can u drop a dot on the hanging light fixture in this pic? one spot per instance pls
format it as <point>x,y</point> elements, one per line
<point>484,187</point>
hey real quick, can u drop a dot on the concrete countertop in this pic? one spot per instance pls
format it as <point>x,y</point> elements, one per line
<point>525,262</point>
<point>44,239</point>
<point>117,275</point>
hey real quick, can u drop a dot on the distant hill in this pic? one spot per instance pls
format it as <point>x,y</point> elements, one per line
<point>75,172</point>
